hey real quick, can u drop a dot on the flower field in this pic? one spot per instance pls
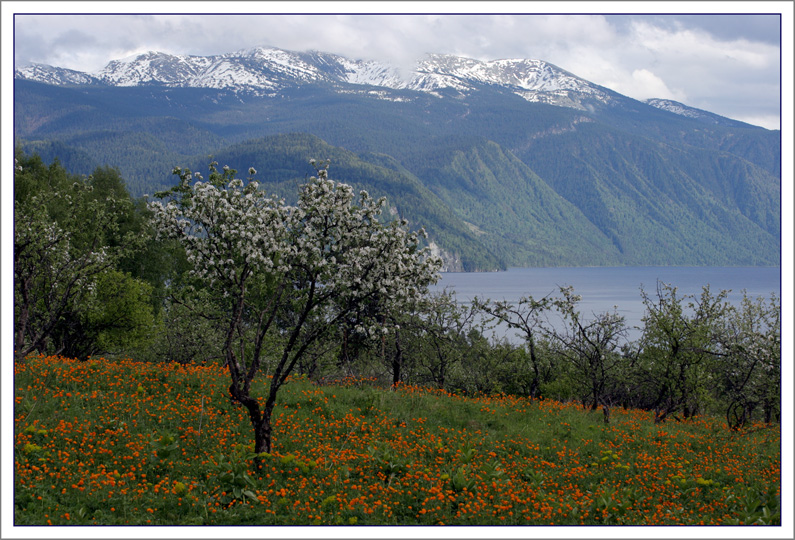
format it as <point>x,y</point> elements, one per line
<point>127,443</point>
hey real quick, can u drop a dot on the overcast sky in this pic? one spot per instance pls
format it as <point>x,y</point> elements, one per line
<point>727,64</point>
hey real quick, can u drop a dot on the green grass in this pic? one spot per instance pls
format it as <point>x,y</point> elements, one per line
<point>126,443</point>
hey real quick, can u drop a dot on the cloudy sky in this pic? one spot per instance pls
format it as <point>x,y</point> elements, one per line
<point>727,64</point>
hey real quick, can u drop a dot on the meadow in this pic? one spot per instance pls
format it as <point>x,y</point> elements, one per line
<point>111,442</point>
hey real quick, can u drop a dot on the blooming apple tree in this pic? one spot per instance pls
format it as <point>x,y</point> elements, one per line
<point>748,359</point>
<point>298,270</point>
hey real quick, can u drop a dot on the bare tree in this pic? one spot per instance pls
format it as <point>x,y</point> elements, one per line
<point>592,350</point>
<point>528,316</point>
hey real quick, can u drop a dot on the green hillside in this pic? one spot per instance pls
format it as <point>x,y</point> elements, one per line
<point>282,164</point>
<point>496,181</point>
<point>665,205</point>
<point>511,207</point>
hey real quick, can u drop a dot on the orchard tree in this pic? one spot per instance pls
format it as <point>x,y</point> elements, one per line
<point>485,367</point>
<point>444,325</point>
<point>187,331</point>
<point>297,270</point>
<point>748,366</point>
<point>115,316</point>
<point>679,341</point>
<point>527,316</point>
<point>591,348</point>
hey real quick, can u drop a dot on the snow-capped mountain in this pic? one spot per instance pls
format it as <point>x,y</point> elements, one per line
<point>152,68</point>
<point>675,107</point>
<point>534,80</point>
<point>266,70</point>
<point>690,112</point>
<point>54,75</point>
<point>469,149</point>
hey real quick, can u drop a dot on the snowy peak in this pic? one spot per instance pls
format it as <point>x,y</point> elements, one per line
<point>691,112</point>
<point>524,74</point>
<point>54,75</point>
<point>534,80</point>
<point>275,65</point>
<point>269,70</point>
<point>258,70</point>
<point>364,72</point>
<point>152,68</point>
<point>676,108</point>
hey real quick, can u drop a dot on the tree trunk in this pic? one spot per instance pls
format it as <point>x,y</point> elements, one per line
<point>343,357</point>
<point>768,408</point>
<point>22,323</point>
<point>536,375</point>
<point>397,360</point>
<point>260,420</point>
<point>263,434</point>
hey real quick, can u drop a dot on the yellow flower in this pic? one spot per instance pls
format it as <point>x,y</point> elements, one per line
<point>30,448</point>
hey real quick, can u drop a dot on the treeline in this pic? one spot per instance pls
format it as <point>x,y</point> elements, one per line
<point>98,273</point>
<point>86,275</point>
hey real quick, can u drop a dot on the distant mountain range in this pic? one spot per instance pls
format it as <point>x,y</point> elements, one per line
<point>506,162</point>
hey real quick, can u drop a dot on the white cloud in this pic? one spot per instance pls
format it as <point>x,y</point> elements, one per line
<point>767,121</point>
<point>701,47</point>
<point>643,84</point>
<point>640,56</point>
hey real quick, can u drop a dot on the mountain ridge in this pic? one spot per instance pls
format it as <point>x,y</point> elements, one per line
<point>265,70</point>
<point>510,162</point>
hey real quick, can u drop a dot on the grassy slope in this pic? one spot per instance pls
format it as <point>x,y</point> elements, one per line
<point>105,442</point>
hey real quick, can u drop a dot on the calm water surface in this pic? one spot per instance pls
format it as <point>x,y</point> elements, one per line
<point>602,288</point>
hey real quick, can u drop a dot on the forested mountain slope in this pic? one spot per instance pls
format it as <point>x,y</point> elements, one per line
<point>505,163</point>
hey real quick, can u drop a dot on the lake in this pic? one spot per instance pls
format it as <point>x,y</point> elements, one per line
<point>602,288</point>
